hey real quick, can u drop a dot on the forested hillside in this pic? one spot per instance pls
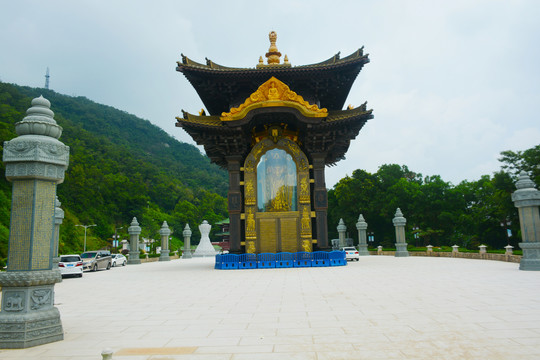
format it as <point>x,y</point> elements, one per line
<point>120,166</point>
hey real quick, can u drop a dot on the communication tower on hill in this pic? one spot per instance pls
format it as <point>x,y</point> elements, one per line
<point>47,79</point>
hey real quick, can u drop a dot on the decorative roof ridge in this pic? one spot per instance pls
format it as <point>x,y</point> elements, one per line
<point>212,120</point>
<point>334,60</point>
<point>336,115</point>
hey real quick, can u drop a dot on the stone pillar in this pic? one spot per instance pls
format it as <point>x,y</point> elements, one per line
<point>455,250</point>
<point>429,250</point>
<point>320,200</point>
<point>399,223</point>
<point>361,225</point>
<point>164,232</point>
<point>341,228</point>
<point>187,243</point>
<point>379,250</point>
<point>58,219</point>
<point>35,163</point>
<point>134,231</point>
<point>508,250</point>
<point>124,245</point>
<point>527,199</point>
<point>234,203</point>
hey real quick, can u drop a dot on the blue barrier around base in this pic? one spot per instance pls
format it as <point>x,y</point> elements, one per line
<point>320,258</point>
<point>302,259</point>
<point>218,262</point>
<point>247,261</point>
<point>284,260</point>
<point>280,260</point>
<point>229,261</point>
<point>337,258</point>
<point>266,261</point>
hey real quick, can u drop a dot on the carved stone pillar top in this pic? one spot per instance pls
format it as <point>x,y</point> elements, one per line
<point>399,220</point>
<point>361,224</point>
<point>341,228</point>
<point>526,194</point>
<point>187,231</point>
<point>36,153</point>
<point>165,231</point>
<point>134,229</point>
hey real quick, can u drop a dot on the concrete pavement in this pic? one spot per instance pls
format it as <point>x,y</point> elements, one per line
<point>378,308</point>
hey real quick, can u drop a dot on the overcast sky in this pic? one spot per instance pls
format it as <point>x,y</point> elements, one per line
<point>451,83</point>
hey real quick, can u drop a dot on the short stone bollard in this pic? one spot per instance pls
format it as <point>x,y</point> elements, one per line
<point>455,250</point>
<point>107,354</point>
<point>482,251</point>
<point>429,250</point>
<point>379,250</point>
<point>508,249</point>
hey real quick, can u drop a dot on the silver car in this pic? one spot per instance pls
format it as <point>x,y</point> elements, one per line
<point>96,260</point>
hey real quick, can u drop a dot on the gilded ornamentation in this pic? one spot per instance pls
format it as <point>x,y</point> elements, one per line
<point>273,54</point>
<point>257,150</point>
<point>250,223</point>
<point>304,190</point>
<point>250,247</point>
<point>306,220</point>
<point>306,246</point>
<point>274,93</point>
<point>249,193</point>
<point>249,167</point>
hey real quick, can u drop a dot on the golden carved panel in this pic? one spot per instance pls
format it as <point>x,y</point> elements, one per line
<point>268,235</point>
<point>289,234</point>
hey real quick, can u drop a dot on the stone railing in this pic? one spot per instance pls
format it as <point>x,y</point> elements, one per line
<point>464,255</point>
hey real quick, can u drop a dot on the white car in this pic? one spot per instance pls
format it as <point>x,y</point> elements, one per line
<point>351,253</point>
<point>118,259</point>
<point>71,265</point>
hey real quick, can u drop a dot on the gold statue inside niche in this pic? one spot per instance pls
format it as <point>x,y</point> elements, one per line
<point>276,182</point>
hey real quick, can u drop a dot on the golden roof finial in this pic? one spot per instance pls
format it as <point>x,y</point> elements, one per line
<point>273,54</point>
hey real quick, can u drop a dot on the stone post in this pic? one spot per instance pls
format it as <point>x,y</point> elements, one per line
<point>187,243</point>
<point>361,225</point>
<point>482,250</point>
<point>164,232</point>
<point>429,250</point>
<point>58,219</point>
<point>399,223</point>
<point>134,231</point>
<point>527,199</point>
<point>508,250</point>
<point>124,245</point>
<point>35,163</point>
<point>455,250</point>
<point>379,250</point>
<point>341,228</point>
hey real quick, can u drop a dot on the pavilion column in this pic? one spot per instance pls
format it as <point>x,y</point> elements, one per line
<point>235,203</point>
<point>35,163</point>
<point>320,199</point>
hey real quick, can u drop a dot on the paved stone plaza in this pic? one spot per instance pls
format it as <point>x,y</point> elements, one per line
<point>378,308</point>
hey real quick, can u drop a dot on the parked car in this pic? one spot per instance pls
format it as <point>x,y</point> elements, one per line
<point>351,253</point>
<point>70,265</point>
<point>118,259</point>
<point>96,260</point>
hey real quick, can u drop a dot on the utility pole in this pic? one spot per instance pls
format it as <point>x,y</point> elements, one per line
<point>85,227</point>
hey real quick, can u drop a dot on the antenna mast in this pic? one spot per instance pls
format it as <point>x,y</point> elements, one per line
<point>47,79</point>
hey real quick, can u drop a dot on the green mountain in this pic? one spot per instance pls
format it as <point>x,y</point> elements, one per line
<point>120,167</point>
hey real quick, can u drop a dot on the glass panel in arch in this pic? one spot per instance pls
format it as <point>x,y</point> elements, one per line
<point>276,182</point>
